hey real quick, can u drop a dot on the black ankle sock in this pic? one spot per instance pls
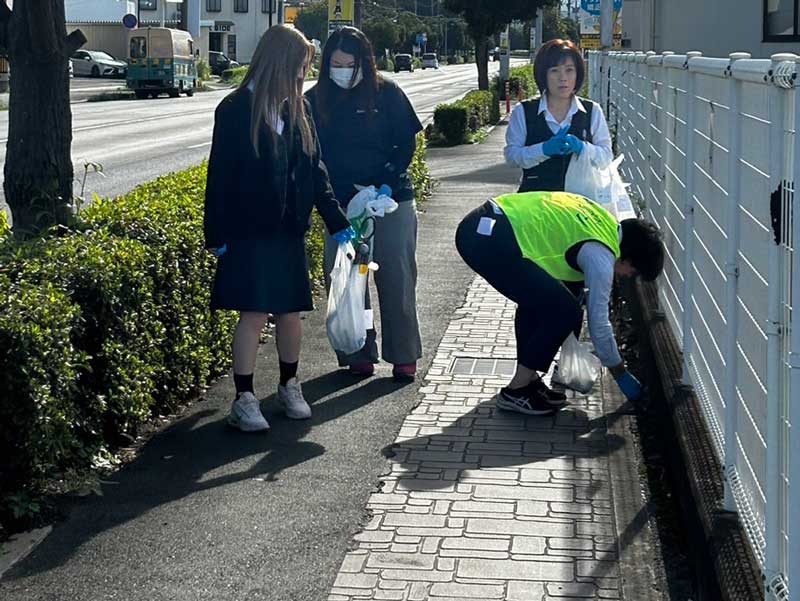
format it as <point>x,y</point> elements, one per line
<point>288,371</point>
<point>243,383</point>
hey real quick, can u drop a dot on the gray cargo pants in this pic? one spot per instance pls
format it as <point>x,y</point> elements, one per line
<point>394,249</point>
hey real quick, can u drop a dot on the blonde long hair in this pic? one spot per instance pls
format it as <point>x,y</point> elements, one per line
<point>280,55</point>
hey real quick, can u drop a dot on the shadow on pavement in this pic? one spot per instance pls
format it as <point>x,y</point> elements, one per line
<point>198,453</point>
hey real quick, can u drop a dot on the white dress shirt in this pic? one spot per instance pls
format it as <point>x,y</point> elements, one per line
<point>527,157</point>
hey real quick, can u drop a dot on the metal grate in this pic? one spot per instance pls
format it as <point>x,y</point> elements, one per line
<point>483,366</point>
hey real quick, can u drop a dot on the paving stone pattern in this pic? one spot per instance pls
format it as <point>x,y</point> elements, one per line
<point>484,504</point>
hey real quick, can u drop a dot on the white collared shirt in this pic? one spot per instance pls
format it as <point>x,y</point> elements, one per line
<point>527,157</point>
<point>278,124</point>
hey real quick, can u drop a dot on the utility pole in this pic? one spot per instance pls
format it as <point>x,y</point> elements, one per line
<point>606,23</point>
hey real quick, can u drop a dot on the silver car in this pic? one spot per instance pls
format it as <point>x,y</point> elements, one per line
<point>98,64</point>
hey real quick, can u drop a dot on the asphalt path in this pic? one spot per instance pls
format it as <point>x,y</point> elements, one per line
<point>136,141</point>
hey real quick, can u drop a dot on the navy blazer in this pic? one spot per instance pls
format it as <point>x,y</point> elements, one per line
<point>248,196</point>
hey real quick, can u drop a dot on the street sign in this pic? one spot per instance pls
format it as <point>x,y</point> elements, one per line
<point>589,17</point>
<point>593,6</point>
<point>130,21</point>
<point>340,14</point>
<point>591,41</point>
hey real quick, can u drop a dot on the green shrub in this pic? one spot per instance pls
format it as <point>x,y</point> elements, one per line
<point>103,327</point>
<point>385,64</point>
<point>419,172</point>
<point>520,79</point>
<point>451,121</point>
<point>417,62</point>
<point>452,60</point>
<point>454,122</point>
<point>234,76</point>
<point>203,70</point>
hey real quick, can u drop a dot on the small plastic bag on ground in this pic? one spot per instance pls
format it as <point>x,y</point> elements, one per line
<point>577,367</point>
<point>346,321</point>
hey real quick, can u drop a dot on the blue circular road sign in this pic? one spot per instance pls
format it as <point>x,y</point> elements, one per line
<point>130,21</point>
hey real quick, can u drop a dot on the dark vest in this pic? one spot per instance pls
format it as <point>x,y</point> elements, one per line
<point>549,175</point>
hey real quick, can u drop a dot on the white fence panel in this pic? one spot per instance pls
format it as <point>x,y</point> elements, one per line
<point>710,149</point>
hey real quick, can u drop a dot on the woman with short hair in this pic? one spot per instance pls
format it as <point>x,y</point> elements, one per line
<point>544,132</point>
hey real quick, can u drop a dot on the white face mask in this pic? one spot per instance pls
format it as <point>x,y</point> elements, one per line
<point>343,77</point>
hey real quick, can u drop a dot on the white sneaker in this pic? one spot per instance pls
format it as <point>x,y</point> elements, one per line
<point>246,414</point>
<point>291,397</point>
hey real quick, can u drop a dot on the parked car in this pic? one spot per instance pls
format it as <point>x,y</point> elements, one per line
<point>96,63</point>
<point>403,62</point>
<point>220,62</point>
<point>162,60</point>
<point>429,61</point>
<point>494,54</point>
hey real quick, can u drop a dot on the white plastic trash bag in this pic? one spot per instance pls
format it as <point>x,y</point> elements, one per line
<point>577,367</point>
<point>602,185</point>
<point>347,320</point>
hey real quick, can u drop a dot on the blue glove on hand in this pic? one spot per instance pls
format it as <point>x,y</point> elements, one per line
<point>575,144</point>
<point>346,235</point>
<point>557,145</point>
<point>629,385</point>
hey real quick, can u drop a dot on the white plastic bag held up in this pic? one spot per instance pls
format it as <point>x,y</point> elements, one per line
<point>346,322</point>
<point>577,367</point>
<point>602,185</point>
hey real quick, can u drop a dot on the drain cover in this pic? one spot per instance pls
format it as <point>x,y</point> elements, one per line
<point>483,366</point>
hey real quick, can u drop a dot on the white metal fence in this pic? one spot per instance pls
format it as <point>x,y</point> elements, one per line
<point>710,148</point>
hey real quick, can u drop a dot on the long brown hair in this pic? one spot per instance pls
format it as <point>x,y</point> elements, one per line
<point>279,57</point>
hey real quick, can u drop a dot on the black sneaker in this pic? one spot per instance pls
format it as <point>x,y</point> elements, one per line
<point>524,400</point>
<point>554,397</point>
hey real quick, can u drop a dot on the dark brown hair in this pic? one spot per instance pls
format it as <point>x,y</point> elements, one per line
<point>350,41</point>
<point>550,55</point>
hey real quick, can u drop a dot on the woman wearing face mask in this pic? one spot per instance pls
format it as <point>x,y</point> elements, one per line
<point>544,132</point>
<point>264,177</point>
<point>367,129</point>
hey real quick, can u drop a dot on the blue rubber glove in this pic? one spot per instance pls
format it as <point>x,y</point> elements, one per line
<point>557,145</point>
<point>575,143</point>
<point>218,252</point>
<point>346,235</point>
<point>629,385</point>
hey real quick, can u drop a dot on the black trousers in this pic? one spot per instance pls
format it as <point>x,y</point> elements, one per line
<point>547,310</point>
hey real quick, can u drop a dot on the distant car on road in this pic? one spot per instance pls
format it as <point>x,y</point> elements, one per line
<point>96,63</point>
<point>494,54</point>
<point>220,62</point>
<point>429,61</point>
<point>403,62</point>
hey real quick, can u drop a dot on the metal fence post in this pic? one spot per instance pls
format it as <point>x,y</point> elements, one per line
<point>793,561</point>
<point>730,351</point>
<point>775,442</point>
<point>688,211</point>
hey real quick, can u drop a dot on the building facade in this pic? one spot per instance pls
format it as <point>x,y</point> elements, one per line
<point>714,27</point>
<point>230,26</point>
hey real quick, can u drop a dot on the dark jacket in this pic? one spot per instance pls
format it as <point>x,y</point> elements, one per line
<point>249,196</point>
<point>367,141</point>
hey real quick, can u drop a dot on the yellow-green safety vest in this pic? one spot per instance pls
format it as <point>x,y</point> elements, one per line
<point>547,224</point>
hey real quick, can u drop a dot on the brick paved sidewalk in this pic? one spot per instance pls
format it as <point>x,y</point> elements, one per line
<point>484,504</point>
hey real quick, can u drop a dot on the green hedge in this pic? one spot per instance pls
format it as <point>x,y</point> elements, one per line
<point>108,325</point>
<point>520,78</point>
<point>102,328</point>
<point>385,64</point>
<point>455,122</point>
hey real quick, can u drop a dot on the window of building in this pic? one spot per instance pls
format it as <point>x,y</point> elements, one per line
<point>148,4</point>
<point>266,6</point>
<point>213,6</point>
<point>781,21</point>
<point>231,46</point>
<point>241,6</point>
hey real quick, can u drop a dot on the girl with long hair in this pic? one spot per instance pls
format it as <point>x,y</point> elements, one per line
<point>264,177</point>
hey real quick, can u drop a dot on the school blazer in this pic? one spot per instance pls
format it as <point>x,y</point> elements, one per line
<point>248,196</point>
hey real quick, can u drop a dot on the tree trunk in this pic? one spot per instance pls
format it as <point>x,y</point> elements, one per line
<point>482,59</point>
<point>38,169</point>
